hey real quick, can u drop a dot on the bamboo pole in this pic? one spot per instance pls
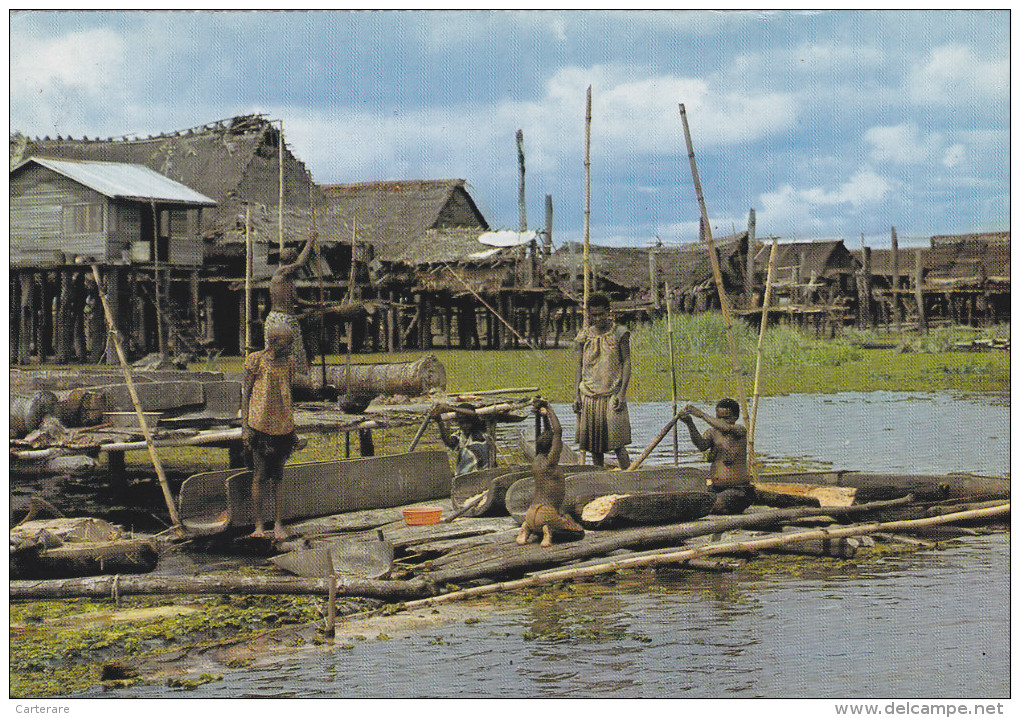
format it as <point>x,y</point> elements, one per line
<point>349,299</point>
<point>655,442</point>
<point>318,270</point>
<point>708,550</point>
<point>247,280</point>
<point>114,334</point>
<point>160,335</point>
<point>587,208</point>
<point>759,361</point>
<point>672,368</point>
<point>280,206</point>
<point>724,305</point>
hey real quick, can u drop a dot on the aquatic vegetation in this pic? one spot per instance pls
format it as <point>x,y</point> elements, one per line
<point>53,654</point>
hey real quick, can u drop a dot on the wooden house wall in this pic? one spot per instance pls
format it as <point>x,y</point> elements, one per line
<point>38,199</point>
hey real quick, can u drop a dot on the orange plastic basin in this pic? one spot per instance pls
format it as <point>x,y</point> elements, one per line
<point>422,515</point>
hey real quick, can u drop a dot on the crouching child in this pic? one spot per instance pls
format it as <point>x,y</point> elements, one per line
<point>545,515</point>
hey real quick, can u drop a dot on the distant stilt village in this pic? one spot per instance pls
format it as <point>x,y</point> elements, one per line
<point>172,220</point>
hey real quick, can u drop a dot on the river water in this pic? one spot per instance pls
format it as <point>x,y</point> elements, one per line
<point>925,624</point>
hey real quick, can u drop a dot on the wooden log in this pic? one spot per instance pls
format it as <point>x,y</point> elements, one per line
<point>710,549</point>
<point>103,586</point>
<point>649,537</point>
<point>655,507</point>
<point>410,378</point>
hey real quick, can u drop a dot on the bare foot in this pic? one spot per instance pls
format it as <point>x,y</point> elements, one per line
<point>523,535</point>
<point>546,537</point>
<point>279,534</point>
<point>258,533</point>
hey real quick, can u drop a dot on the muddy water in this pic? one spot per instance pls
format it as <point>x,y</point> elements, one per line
<point>924,624</point>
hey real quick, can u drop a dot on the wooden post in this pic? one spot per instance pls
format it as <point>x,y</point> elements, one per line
<point>760,360</point>
<point>653,280</point>
<point>724,304</point>
<point>919,291</point>
<point>749,273</point>
<point>65,316</point>
<point>114,337</point>
<point>897,310</point>
<point>672,367</point>
<point>587,206</point>
<point>547,239</point>
<point>279,142</point>
<point>869,307</point>
<point>248,270</point>
<point>522,207</point>
<point>26,316</point>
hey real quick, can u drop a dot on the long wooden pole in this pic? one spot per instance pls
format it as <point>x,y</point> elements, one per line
<point>708,550</point>
<point>587,208</point>
<point>724,305</point>
<point>160,335</point>
<point>129,381</point>
<point>672,368</point>
<point>247,280</point>
<point>318,270</point>
<point>655,442</point>
<point>486,305</point>
<point>760,360</point>
<point>280,207</point>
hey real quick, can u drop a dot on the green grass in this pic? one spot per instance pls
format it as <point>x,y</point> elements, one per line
<point>793,362</point>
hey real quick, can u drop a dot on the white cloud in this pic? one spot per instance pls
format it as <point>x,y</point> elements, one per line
<point>953,156</point>
<point>807,210</point>
<point>56,82</point>
<point>953,74</point>
<point>902,144</point>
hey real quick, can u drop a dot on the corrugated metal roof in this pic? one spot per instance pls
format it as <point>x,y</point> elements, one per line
<point>123,181</point>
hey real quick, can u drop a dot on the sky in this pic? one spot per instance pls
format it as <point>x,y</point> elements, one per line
<point>829,124</point>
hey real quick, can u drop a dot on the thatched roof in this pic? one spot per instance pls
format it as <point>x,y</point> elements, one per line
<point>229,161</point>
<point>685,266</point>
<point>969,260</point>
<point>824,258</point>
<point>959,258</point>
<point>395,216</point>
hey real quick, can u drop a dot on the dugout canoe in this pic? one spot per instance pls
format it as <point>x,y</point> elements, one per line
<point>493,485</point>
<point>880,487</point>
<point>213,502</point>
<point>584,486</point>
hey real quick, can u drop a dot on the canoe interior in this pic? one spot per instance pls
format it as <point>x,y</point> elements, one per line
<point>599,483</point>
<point>215,501</point>
<point>494,483</point>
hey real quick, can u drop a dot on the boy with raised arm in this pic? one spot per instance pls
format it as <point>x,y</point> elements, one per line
<point>544,515</point>
<point>726,443</point>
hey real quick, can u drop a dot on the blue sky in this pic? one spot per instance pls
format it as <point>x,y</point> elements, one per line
<point>828,123</point>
